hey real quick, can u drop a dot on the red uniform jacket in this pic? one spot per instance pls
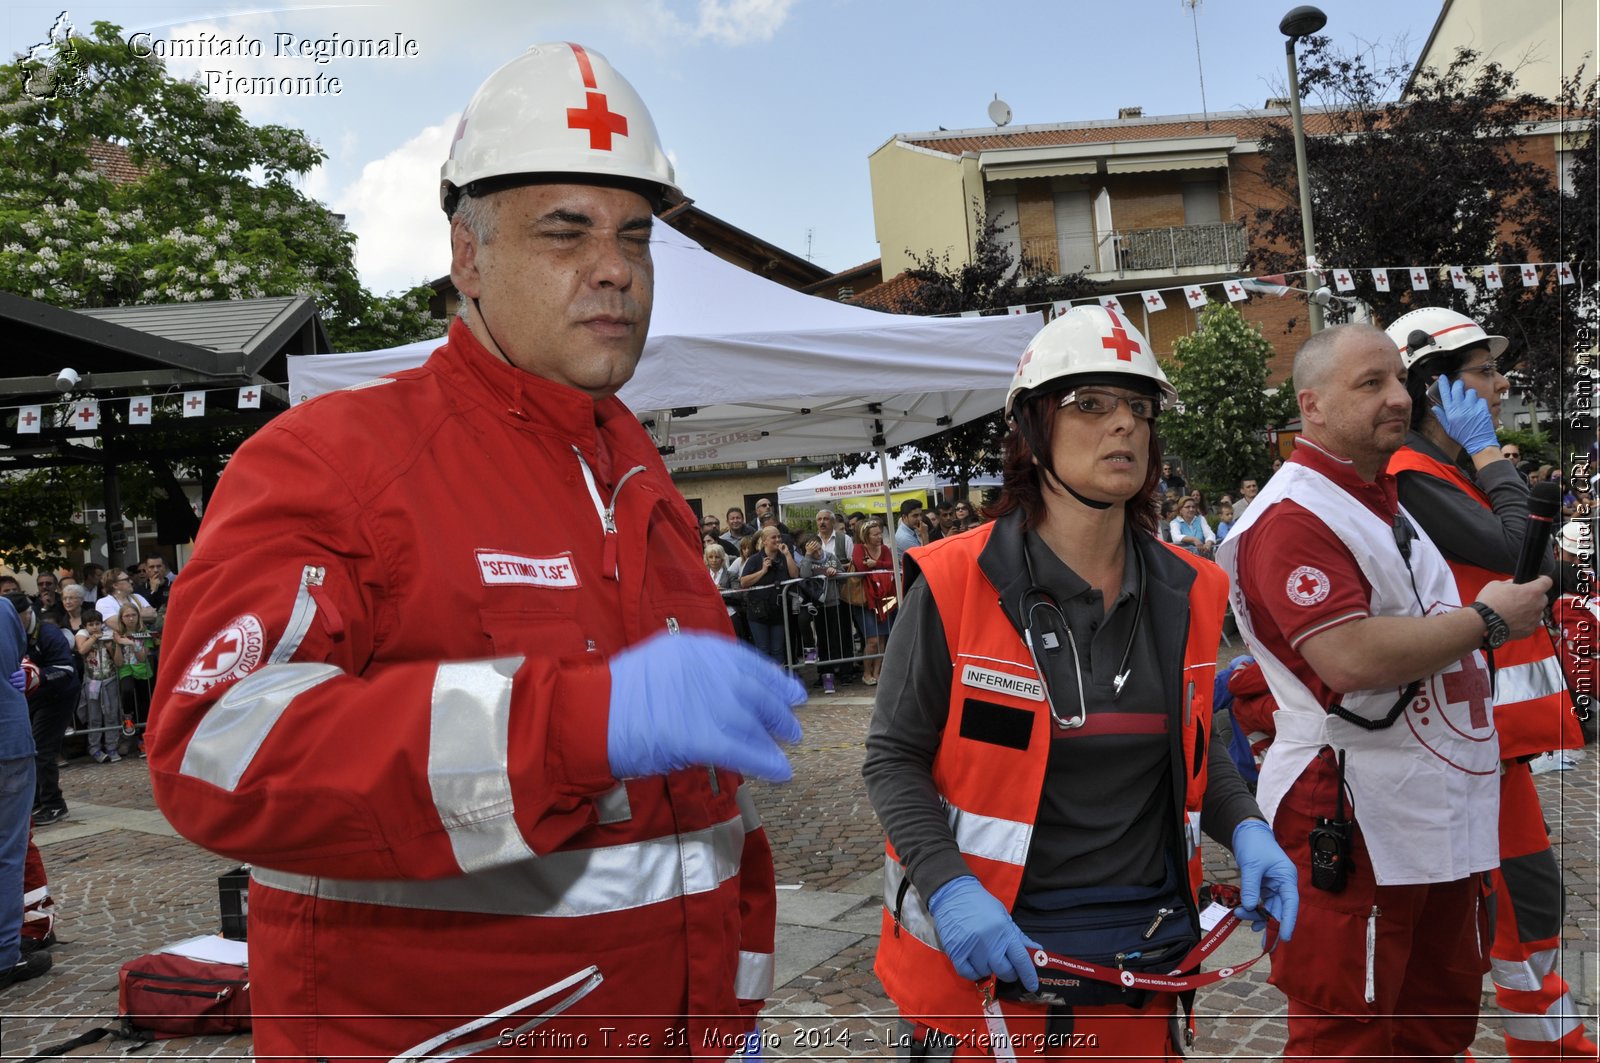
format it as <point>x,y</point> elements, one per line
<point>385,685</point>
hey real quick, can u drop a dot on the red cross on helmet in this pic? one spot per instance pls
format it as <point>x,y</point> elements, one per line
<point>1087,340</point>
<point>556,109</point>
<point>1450,331</point>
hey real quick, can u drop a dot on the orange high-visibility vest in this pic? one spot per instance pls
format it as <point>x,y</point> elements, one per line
<point>991,788</point>
<point>1532,707</point>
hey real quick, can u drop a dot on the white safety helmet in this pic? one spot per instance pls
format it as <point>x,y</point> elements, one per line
<point>1450,332</point>
<point>556,109</point>
<point>1087,341</point>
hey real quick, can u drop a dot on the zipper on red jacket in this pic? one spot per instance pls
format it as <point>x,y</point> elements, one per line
<point>608,514</point>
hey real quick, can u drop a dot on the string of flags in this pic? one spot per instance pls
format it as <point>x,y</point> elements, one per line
<point>1239,289</point>
<point>83,414</point>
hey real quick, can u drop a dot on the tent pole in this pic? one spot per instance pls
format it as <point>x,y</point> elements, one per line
<point>888,513</point>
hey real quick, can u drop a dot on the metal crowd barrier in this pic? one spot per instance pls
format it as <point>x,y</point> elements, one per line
<point>816,634</point>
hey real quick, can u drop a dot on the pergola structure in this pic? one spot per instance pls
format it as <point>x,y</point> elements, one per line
<point>159,350</point>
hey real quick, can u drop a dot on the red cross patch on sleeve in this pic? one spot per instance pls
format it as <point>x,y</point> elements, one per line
<point>1307,586</point>
<point>232,653</point>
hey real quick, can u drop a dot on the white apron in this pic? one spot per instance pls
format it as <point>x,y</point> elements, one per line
<point>1425,790</point>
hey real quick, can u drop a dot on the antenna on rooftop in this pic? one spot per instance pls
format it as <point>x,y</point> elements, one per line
<point>1194,17</point>
<point>1000,111</point>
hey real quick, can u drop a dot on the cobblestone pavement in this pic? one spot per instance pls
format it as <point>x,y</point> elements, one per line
<point>127,885</point>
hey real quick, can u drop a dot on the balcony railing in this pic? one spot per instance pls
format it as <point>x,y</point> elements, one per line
<point>1174,249</point>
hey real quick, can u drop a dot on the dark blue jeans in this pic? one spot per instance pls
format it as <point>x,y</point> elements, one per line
<point>768,638</point>
<point>16,802</point>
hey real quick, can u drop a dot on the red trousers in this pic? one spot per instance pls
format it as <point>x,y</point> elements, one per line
<point>1376,971</point>
<point>38,909</point>
<point>1541,1018</point>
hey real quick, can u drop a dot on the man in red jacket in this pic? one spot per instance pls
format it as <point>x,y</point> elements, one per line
<point>509,820</point>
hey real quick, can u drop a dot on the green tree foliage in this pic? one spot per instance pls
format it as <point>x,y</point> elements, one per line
<point>1220,429</point>
<point>36,525</point>
<point>1437,178</point>
<point>993,281</point>
<point>212,211</point>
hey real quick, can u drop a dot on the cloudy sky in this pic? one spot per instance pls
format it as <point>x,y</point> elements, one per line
<point>768,108</point>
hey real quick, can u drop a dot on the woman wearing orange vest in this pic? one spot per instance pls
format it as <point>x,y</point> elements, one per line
<point>1473,504</point>
<point>1039,754</point>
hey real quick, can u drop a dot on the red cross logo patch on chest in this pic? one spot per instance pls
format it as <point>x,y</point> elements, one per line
<point>1307,586</point>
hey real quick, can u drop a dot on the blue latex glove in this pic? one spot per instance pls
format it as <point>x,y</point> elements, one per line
<point>19,679</point>
<point>1465,416</point>
<point>687,699</point>
<point>1267,878</point>
<point>979,936</point>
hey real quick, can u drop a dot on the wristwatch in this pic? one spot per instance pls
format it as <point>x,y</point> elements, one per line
<point>1496,633</point>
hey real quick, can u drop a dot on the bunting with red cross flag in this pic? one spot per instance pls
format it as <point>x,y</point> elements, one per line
<point>1154,302</point>
<point>86,414</point>
<point>1491,277</point>
<point>1343,281</point>
<point>139,409</point>
<point>1110,302</point>
<point>1380,279</point>
<point>194,404</point>
<point>1059,307</point>
<point>1458,278</point>
<point>28,418</point>
<point>1235,291</point>
<point>1564,273</point>
<point>1419,279</point>
<point>1196,295</point>
<point>1530,275</point>
<point>1017,311</point>
<point>250,398</point>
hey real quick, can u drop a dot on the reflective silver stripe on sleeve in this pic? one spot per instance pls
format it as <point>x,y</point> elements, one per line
<point>1560,1020</point>
<point>1525,682</point>
<point>300,617</point>
<point>914,914</point>
<point>468,750</point>
<point>747,809</point>
<point>753,981</point>
<point>612,806</point>
<point>569,883</point>
<point>229,735</point>
<point>1004,840</point>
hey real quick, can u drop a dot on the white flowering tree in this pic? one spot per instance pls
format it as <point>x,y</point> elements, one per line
<point>207,209</point>
<point>1220,372</point>
<point>189,202</point>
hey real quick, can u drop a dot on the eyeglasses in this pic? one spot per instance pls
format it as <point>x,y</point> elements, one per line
<point>124,579</point>
<point>1098,403</point>
<point>1514,455</point>
<point>1487,369</point>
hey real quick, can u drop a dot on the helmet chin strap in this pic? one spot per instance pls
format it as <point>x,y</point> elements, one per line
<point>1091,503</point>
<point>487,331</point>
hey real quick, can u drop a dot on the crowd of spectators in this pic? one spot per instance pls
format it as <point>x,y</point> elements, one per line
<point>106,625</point>
<point>823,593</point>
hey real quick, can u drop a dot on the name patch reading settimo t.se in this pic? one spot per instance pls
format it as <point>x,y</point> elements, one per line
<point>501,569</point>
<point>1015,685</point>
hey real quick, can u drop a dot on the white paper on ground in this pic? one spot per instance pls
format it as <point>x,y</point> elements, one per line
<point>212,948</point>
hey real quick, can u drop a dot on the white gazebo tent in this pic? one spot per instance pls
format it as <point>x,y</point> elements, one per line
<point>868,480</point>
<point>739,368</point>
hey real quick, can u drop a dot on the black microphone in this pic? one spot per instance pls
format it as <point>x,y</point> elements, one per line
<point>1544,502</point>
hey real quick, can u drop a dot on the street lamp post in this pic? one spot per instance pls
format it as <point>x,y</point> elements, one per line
<point>1302,22</point>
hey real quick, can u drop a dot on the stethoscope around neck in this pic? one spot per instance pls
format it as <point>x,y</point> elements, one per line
<point>1042,638</point>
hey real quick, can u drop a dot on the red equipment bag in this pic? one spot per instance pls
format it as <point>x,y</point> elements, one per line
<point>175,996</point>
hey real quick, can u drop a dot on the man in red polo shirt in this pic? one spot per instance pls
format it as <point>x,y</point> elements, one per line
<point>1385,722</point>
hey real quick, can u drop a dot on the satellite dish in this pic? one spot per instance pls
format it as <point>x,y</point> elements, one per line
<point>1000,111</point>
